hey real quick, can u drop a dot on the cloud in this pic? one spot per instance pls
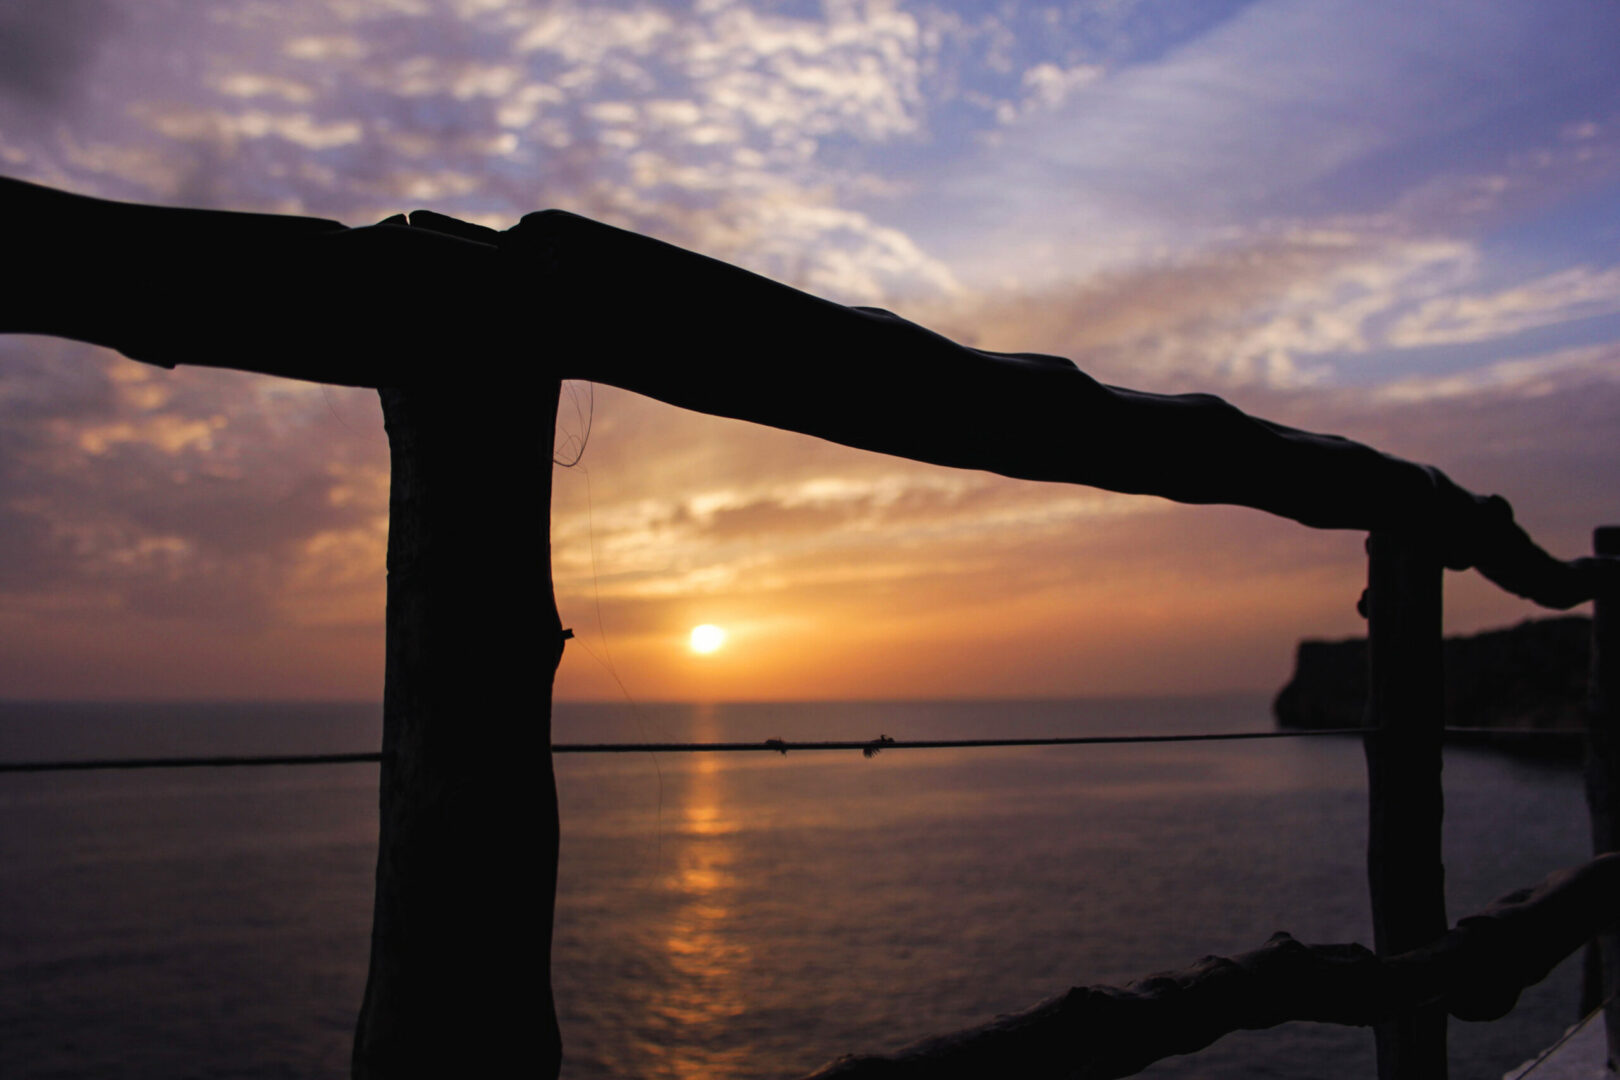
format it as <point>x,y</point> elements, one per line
<point>1282,109</point>
<point>1579,292</point>
<point>707,127</point>
<point>322,48</point>
<point>434,76</point>
<point>227,128</point>
<point>775,77</point>
<point>159,496</point>
<point>1047,86</point>
<point>243,84</point>
<point>168,434</point>
<point>1265,311</point>
<point>1597,368</point>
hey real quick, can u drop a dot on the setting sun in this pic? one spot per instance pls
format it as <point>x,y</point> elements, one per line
<point>707,638</point>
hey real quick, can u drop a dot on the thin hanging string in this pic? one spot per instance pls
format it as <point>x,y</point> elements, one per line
<point>612,668</point>
<point>583,419</point>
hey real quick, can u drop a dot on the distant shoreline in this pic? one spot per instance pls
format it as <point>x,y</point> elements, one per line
<point>1529,680</point>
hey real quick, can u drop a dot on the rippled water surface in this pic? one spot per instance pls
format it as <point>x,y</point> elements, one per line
<point>725,916</point>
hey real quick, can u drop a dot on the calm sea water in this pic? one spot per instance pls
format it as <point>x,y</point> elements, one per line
<point>725,916</point>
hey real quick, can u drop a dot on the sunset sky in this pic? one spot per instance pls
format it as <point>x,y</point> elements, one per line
<point>1396,221</point>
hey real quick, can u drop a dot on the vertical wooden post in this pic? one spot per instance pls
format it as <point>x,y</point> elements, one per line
<point>1603,779</point>
<point>460,981</point>
<point>1405,701</point>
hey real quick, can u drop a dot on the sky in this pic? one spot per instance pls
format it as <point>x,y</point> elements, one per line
<point>1397,222</point>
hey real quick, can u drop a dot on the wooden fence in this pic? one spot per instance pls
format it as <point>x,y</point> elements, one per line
<point>459,979</point>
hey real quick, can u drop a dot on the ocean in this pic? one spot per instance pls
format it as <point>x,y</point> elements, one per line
<point>727,916</point>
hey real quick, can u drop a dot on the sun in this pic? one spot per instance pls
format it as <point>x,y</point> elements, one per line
<point>707,638</point>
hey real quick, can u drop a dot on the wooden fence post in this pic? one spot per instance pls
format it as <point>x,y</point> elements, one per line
<point>460,979</point>
<point>1405,702</point>
<point>1603,778</point>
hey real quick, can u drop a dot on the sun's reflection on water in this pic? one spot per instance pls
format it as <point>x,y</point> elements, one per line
<point>702,947</point>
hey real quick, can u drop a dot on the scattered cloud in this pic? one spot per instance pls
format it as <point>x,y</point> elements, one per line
<point>241,84</point>
<point>1048,86</point>
<point>1281,110</point>
<point>1263,311</point>
<point>1579,292</point>
<point>1596,368</point>
<point>225,129</point>
<point>324,48</point>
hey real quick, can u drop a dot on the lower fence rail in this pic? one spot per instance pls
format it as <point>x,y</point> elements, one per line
<point>1475,971</point>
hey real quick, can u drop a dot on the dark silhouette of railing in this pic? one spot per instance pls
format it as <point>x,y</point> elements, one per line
<point>1405,800</point>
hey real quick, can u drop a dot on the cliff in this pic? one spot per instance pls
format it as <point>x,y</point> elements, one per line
<point>1532,675</point>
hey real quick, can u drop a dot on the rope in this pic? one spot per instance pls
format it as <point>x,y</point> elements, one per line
<point>868,747</point>
<point>883,742</point>
<point>88,764</point>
